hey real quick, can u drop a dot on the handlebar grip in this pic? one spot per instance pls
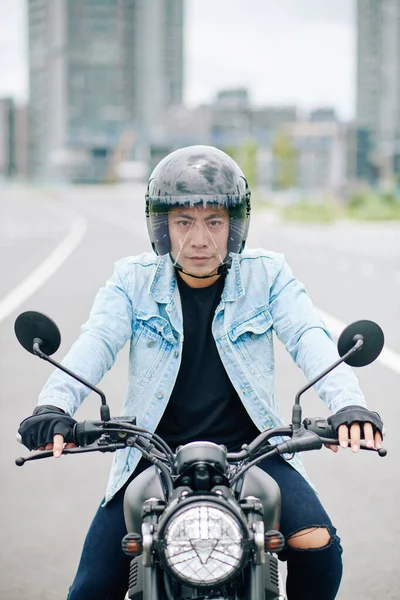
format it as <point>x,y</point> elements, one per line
<point>85,433</point>
<point>321,427</point>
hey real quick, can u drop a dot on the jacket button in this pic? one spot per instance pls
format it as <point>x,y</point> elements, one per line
<point>254,336</point>
<point>150,344</point>
<point>159,395</point>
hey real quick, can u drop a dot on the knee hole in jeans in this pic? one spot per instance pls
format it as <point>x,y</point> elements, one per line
<point>313,537</point>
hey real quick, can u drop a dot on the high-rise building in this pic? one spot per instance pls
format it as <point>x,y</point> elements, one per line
<point>13,139</point>
<point>7,137</point>
<point>378,81</point>
<point>102,74</point>
<point>319,154</point>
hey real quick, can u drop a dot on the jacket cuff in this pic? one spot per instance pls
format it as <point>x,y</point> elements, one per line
<point>61,402</point>
<point>346,399</point>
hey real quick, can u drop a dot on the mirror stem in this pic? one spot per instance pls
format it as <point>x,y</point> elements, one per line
<point>296,411</point>
<point>104,409</point>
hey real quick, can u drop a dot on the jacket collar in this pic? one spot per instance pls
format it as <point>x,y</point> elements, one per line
<point>163,284</point>
<point>233,288</point>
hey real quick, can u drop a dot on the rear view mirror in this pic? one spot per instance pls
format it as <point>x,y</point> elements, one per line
<point>31,325</point>
<point>373,341</point>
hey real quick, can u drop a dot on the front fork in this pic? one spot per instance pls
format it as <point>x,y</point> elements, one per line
<point>151,510</point>
<point>263,575</point>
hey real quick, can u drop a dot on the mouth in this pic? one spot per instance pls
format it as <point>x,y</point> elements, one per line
<point>198,259</point>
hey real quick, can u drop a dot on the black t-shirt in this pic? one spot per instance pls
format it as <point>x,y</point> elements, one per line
<point>204,404</point>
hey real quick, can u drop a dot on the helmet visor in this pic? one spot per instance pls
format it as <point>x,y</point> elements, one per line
<point>199,233</point>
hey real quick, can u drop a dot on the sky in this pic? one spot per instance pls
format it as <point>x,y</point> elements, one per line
<point>285,51</point>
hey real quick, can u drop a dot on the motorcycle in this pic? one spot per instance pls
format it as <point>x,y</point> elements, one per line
<point>202,523</point>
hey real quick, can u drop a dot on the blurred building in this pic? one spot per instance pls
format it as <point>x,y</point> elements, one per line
<point>267,120</point>
<point>361,168</point>
<point>324,114</point>
<point>13,139</point>
<point>102,75</point>
<point>7,137</point>
<point>276,149</point>
<point>21,141</point>
<point>231,122</point>
<point>378,84</point>
<point>186,126</point>
<point>230,117</point>
<point>319,151</point>
<point>235,119</point>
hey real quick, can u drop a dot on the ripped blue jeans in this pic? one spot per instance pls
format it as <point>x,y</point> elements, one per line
<point>313,574</point>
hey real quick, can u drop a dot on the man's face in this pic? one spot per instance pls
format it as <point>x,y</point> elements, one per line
<point>199,238</point>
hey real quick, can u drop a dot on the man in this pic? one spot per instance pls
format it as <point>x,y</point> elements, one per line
<point>199,313</point>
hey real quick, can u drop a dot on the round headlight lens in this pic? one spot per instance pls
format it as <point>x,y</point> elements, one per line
<point>203,545</point>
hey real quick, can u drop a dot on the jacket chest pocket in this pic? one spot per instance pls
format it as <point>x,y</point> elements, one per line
<point>152,340</point>
<point>252,339</point>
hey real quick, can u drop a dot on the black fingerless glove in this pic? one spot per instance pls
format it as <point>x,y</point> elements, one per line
<point>46,421</point>
<point>356,414</point>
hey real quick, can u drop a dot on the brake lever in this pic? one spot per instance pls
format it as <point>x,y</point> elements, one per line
<point>382,451</point>
<point>21,460</point>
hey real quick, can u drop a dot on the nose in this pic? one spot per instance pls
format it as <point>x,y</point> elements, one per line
<point>199,235</point>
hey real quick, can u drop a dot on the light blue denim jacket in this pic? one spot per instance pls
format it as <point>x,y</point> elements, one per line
<point>140,303</point>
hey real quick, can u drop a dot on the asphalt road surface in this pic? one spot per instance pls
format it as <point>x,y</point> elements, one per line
<point>69,239</point>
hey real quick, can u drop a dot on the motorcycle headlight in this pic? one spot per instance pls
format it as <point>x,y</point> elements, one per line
<point>203,544</point>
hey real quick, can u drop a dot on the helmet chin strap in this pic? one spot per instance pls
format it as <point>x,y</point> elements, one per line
<point>222,270</point>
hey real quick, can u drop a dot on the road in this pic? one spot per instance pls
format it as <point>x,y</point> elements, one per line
<point>350,271</point>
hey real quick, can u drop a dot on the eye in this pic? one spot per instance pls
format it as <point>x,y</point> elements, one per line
<point>215,224</point>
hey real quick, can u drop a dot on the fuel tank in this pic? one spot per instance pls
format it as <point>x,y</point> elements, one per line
<point>258,483</point>
<point>255,483</point>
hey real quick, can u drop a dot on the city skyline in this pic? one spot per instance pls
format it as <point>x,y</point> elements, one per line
<point>305,51</point>
<point>94,78</point>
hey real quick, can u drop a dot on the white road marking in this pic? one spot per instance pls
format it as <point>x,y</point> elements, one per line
<point>387,357</point>
<point>45,270</point>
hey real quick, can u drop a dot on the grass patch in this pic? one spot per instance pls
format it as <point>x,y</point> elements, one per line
<point>374,207</point>
<point>361,207</point>
<point>259,203</point>
<point>313,212</point>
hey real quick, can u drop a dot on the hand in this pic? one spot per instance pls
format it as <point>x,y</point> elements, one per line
<point>57,445</point>
<point>47,423</point>
<point>371,441</point>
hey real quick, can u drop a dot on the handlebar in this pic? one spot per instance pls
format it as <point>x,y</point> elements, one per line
<point>47,453</point>
<point>120,432</point>
<point>320,426</point>
<point>327,434</point>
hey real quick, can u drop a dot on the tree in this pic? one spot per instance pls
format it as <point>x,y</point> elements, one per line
<point>284,154</point>
<point>245,154</point>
